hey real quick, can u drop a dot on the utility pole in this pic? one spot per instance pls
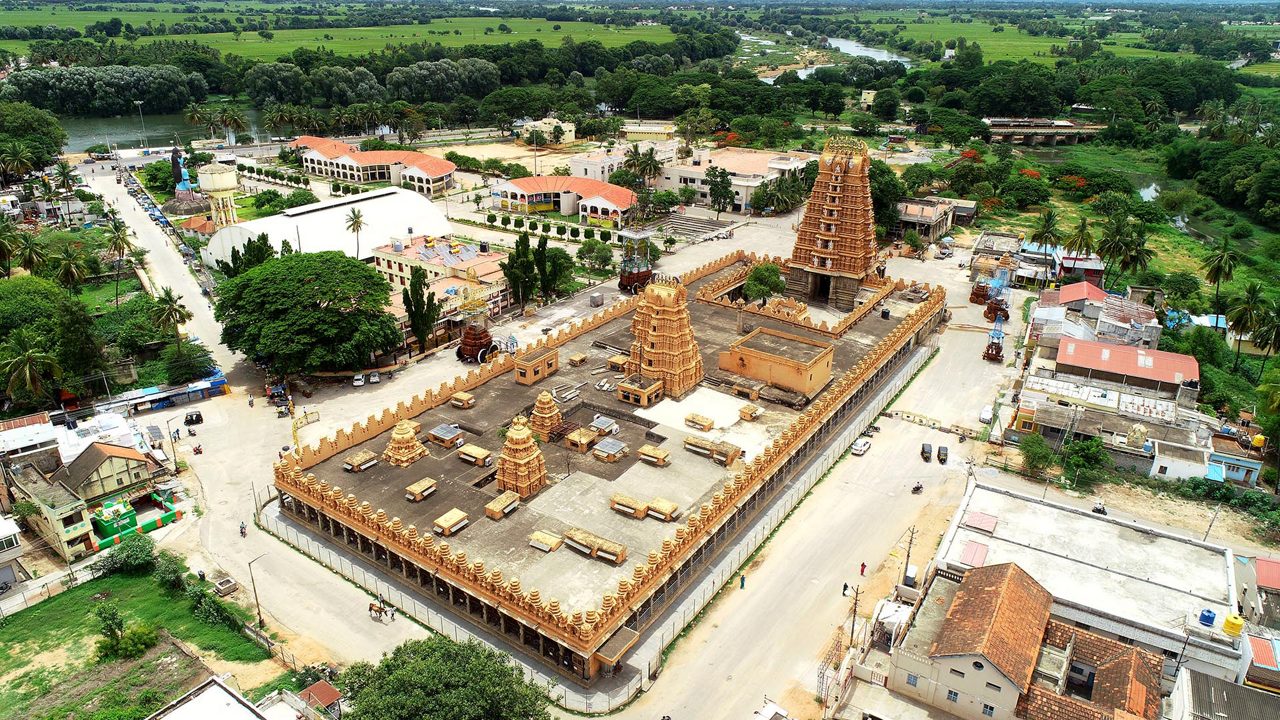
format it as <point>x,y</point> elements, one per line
<point>1212,520</point>
<point>911,538</point>
<point>261,623</point>
<point>853,621</point>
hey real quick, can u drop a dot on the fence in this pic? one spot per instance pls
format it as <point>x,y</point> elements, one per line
<point>41,589</point>
<point>646,659</point>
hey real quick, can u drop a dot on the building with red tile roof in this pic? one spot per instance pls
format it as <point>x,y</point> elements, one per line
<point>1165,372</point>
<point>201,226</point>
<point>338,160</point>
<point>595,202</point>
<point>1081,292</point>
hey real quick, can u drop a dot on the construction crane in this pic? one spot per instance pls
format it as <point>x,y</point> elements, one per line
<point>995,342</point>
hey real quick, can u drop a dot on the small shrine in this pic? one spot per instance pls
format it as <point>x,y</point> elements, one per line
<point>545,416</point>
<point>521,467</point>
<point>405,448</point>
<point>664,347</point>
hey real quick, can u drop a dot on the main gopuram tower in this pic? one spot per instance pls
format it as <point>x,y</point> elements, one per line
<point>836,243</point>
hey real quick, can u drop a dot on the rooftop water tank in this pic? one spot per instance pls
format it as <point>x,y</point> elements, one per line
<point>1208,617</point>
<point>1233,625</point>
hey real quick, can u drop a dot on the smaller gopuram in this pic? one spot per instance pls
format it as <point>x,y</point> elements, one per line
<point>405,448</point>
<point>545,416</point>
<point>521,466</point>
<point>664,348</point>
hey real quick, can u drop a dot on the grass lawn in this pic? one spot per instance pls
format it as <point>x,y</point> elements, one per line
<point>59,633</point>
<point>1267,68</point>
<point>103,295</point>
<point>246,211</point>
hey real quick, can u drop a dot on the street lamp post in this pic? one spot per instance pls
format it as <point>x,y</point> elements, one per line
<point>261,623</point>
<point>143,137</point>
<point>173,444</point>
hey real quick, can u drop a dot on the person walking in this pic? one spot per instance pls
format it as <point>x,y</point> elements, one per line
<point>742,581</point>
<point>863,570</point>
<point>393,614</point>
<point>845,591</point>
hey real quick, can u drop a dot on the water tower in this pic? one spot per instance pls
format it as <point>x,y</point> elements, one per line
<point>218,182</point>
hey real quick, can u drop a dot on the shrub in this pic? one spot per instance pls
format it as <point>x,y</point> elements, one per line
<point>573,233</point>
<point>506,220</point>
<point>605,235</point>
<point>170,571</point>
<point>333,187</point>
<point>518,223</point>
<point>134,553</point>
<point>560,230</point>
<point>491,218</point>
<point>209,609</point>
<point>589,233</point>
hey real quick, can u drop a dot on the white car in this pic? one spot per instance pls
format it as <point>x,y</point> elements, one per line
<point>357,381</point>
<point>374,378</point>
<point>861,446</point>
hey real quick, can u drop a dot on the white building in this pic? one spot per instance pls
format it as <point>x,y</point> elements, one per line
<point>1117,579</point>
<point>594,202</point>
<point>748,170</point>
<point>321,226</point>
<point>647,130</point>
<point>338,160</point>
<point>547,127</point>
<point>602,163</point>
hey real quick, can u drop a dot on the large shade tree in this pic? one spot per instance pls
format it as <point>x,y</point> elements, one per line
<point>439,678</point>
<point>308,311</point>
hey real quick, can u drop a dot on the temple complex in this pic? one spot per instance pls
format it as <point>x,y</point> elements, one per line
<point>836,242</point>
<point>521,467</point>
<point>617,494</point>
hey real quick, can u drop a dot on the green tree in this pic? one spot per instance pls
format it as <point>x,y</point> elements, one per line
<point>559,268</point>
<point>719,189</point>
<point>1046,233</point>
<point>1080,241</point>
<point>545,284</point>
<point>1266,333</point>
<point>16,160</point>
<point>1244,312</point>
<point>439,678</point>
<point>521,271</point>
<point>354,224</point>
<point>78,347</point>
<point>9,237</point>
<point>70,267</point>
<point>1037,456</point>
<point>27,364</point>
<point>885,106</point>
<point>169,313</point>
<point>29,252</point>
<point>1219,266</point>
<point>764,281</point>
<point>644,163</point>
<point>118,244</point>
<point>308,311</point>
<point>421,307</point>
<point>886,191</point>
<point>186,361</point>
<point>256,251</point>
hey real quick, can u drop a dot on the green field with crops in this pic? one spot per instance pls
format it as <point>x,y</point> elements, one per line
<point>355,41</point>
<point>134,13</point>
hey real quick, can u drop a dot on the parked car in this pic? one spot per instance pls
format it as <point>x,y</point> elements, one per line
<point>860,446</point>
<point>926,452</point>
<point>374,378</point>
<point>942,454</point>
<point>358,380</point>
<point>985,416</point>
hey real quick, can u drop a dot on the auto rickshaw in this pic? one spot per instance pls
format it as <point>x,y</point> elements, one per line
<point>193,418</point>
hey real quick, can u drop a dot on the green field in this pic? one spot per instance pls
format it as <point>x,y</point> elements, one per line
<point>136,14</point>
<point>355,41</point>
<point>1267,68</point>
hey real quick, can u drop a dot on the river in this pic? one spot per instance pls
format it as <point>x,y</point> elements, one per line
<point>848,47</point>
<point>127,132</point>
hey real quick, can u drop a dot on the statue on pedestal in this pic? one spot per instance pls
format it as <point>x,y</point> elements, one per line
<point>186,201</point>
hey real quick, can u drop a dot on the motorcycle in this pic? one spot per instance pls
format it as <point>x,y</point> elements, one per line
<point>1099,509</point>
<point>919,488</point>
<point>244,530</point>
<point>191,433</point>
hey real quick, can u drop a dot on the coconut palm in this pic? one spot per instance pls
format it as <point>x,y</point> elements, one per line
<point>65,177</point>
<point>355,223</point>
<point>118,244</point>
<point>1112,245</point>
<point>645,163</point>
<point>70,268</point>
<point>169,312</point>
<point>27,363</point>
<point>9,235</point>
<point>1219,267</point>
<point>1080,242</point>
<point>276,118</point>
<point>1245,312</point>
<point>16,160</point>
<point>1266,334</point>
<point>232,119</point>
<point>28,252</point>
<point>1213,118</point>
<point>1137,256</point>
<point>198,114</point>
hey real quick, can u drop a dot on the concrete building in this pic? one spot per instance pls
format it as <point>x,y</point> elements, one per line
<point>1239,457</point>
<point>594,202</point>
<point>986,646</point>
<point>200,227</point>
<point>600,164</point>
<point>547,126</point>
<point>208,700</point>
<point>11,570</point>
<point>748,170</point>
<point>1168,375</point>
<point>642,130</point>
<point>335,159</point>
<point>321,226</point>
<point>1197,696</point>
<point>929,218</point>
<point>1118,579</point>
<point>27,437</point>
<point>62,521</point>
<point>109,471</point>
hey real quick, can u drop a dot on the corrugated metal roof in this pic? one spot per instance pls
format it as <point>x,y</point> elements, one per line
<point>1214,698</point>
<point>1268,573</point>
<point>1155,365</point>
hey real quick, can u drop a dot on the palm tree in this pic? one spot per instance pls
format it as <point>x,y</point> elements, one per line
<point>232,119</point>
<point>1266,334</point>
<point>1112,246</point>
<point>1213,118</point>
<point>118,244</point>
<point>1080,242</point>
<point>355,223</point>
<point>198,114</point>
<point>9,236</point>
<point>27,364</point>
<point>1245,312</point>
<point>65,176</point>
<point>16,160</point>
<point>169,313</point>
<point>28,252</point>
<point>1047,233</point>
<point>70,268</point>
<point>1137,256</point>
<point>1220,267</point>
